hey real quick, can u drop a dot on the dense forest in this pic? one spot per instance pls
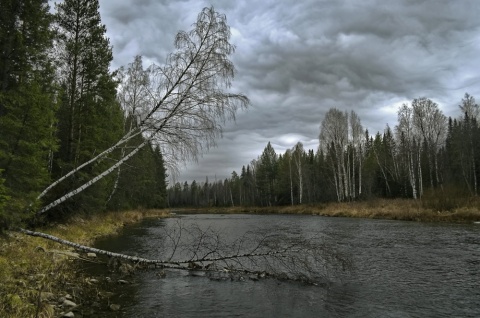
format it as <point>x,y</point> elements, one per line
<point>77,137</point>
<point>426,155</point>
<point>60,105</point>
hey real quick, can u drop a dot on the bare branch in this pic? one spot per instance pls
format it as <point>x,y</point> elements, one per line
<point>272,254</point>
<point>184,103</point>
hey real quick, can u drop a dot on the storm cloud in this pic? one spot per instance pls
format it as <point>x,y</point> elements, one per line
<point>297,59</point>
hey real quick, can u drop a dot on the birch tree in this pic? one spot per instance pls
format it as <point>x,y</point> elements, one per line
<point>257,254</point>
<point>333,139</point>
<point>192,99</point>
<point>431,123</point>
<point>405,134</point>
<point>356,130</point>
<point>469,107</point>
<point>134,98</point>
<point>298,155</point>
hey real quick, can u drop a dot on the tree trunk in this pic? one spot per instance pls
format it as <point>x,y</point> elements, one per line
<point>291,180</point>
<point>411,175</point>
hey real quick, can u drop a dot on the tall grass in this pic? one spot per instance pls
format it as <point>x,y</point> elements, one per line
<point>31,277</point>
<point>428,209</point>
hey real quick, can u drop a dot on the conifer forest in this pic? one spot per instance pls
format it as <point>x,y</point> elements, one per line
<point>79,137</point>
<point>61,106</point>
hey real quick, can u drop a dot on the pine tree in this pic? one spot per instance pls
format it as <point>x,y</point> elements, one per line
<point>88,100</point>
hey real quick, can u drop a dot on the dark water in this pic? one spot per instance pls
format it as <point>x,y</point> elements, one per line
<point>400,269</point>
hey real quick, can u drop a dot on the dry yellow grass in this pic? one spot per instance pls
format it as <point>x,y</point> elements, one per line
<point>31,277</point>
<point>394,209</point>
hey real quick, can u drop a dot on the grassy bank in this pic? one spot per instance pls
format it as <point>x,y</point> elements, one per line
<point>398,209</point>
<point>36,275</point>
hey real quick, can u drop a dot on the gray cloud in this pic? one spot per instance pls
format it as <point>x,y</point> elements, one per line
<point>296,59</point>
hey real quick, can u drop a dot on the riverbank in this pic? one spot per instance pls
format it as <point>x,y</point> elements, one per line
<point>40,278</point>
<point>395,209</point>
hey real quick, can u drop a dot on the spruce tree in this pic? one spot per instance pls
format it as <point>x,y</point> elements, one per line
<point>267,175</point>
<point>160,192</point>
<point>27,104</point>
<point>3,201</point>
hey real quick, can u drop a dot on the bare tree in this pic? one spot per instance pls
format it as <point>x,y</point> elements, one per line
<point>255,254</point>
<point>191,100</point>
<point>134,91</point>
<point>297,154</point>
<point>288,156</point>
<point>135,98</point>
<point>469,107</point>
<point>334,139</point>
<point>406,137</point>
<point>431,124</point>
<point>357,152</point>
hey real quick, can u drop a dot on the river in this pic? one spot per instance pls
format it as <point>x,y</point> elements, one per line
<point>399,269</point>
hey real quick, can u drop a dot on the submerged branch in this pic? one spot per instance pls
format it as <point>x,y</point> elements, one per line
<point>253,253</point>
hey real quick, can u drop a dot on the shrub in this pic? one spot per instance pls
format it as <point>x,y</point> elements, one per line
<point>446,199</point>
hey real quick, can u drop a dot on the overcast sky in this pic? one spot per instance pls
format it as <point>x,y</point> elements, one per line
<point>296,59</point>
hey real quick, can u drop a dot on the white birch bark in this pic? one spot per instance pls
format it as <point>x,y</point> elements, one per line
<point>297,154</point>
<point>192,100</point>
<point>334,140</point>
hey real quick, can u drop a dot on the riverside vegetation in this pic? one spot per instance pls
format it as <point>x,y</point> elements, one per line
<point>393,209</point>
<point>38,275</point>
<point>41,278</point>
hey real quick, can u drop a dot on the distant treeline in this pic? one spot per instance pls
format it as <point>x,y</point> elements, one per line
<point>59,107</point>
<point>425,156</point>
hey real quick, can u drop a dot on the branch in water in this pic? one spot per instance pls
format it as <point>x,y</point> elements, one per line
<point>255,253</point>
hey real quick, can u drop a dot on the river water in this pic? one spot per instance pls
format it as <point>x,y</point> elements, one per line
<point>398,269</point>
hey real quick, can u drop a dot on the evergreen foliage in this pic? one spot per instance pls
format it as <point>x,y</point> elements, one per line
<point>27,105</point>
<point>3,201</point>
<point>90,118</point>
<point>58,108</point>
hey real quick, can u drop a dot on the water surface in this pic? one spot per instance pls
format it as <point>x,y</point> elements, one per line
<point>400,269</point>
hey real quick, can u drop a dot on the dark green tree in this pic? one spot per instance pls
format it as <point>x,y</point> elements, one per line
<point>248,186</point>
<point>142,182</point>
<point>90,118</point>
<point>27,104</point>
<point>160,179</point>
<point>3,201</point>
<point>285,183</point>
<point>267,175</point>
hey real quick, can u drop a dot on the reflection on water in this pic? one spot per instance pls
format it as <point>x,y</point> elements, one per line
<point>401,269</point>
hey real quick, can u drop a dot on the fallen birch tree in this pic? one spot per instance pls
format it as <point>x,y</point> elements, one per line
<point>190,101</point>
<point>259,253</point>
